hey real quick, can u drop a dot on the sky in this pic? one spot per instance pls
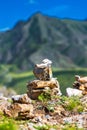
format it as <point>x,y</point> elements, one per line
<point>12,11</point>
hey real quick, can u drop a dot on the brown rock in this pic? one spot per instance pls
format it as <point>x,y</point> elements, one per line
<point>76,84</point>
<point>84,102</point>
<point>81,79</point>
<point>33,94</point>
<point>81,84</point>
<point>24,99</point>
<point>3,104</point>
<point>43,71</point>
<point>35,84</point>
<point>36,87</point>
<point>58,110</point>
<point>17,110</point>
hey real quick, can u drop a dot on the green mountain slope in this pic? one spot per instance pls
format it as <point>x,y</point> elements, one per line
<point>62,41</point>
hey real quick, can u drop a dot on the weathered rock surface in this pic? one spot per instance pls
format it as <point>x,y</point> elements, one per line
<point>20,107</point>
<point>81,79</point>
<point>35,84</point>
<point>52,112</point>
<point>36,87</point>
<point>81,84</point>
<point>4,103</point>
<point>22,111</point>
<point>51,109</point>
<point>21,99</point>
<point>43,71</point>
<point>84,102</point>
<point>80,120</point>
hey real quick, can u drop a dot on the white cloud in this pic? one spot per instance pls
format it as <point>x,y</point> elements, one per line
<point>4,29</point>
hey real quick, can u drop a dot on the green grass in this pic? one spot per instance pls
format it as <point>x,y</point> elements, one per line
<point>58,127</point>
<point>72,103</point>
<point>66,78</point>
<point>8,124</point>
<point>17,80</point>
<point>21,75</point>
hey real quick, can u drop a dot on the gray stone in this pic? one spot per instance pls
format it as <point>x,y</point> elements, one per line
<point>73,92</point>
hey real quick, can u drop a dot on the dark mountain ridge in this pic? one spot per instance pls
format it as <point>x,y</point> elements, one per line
<point>62,41</point>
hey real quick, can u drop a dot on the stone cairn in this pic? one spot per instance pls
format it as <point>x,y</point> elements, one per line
<point>44,81</point>
<point>79,87</point>
<point>81,84</point>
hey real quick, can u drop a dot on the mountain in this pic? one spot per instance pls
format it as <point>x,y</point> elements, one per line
<point>63,41</point>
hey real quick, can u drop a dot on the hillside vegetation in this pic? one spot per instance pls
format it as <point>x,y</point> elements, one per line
<point>63,41</point>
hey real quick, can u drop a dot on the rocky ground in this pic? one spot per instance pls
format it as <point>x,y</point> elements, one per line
<point>44,107</point>
<point>49,113</point>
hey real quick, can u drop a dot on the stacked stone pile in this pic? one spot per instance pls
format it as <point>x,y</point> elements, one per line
<point>79,87</point>
<point>81,84</point>
<point>52,111</point>
<point>44,81</point>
